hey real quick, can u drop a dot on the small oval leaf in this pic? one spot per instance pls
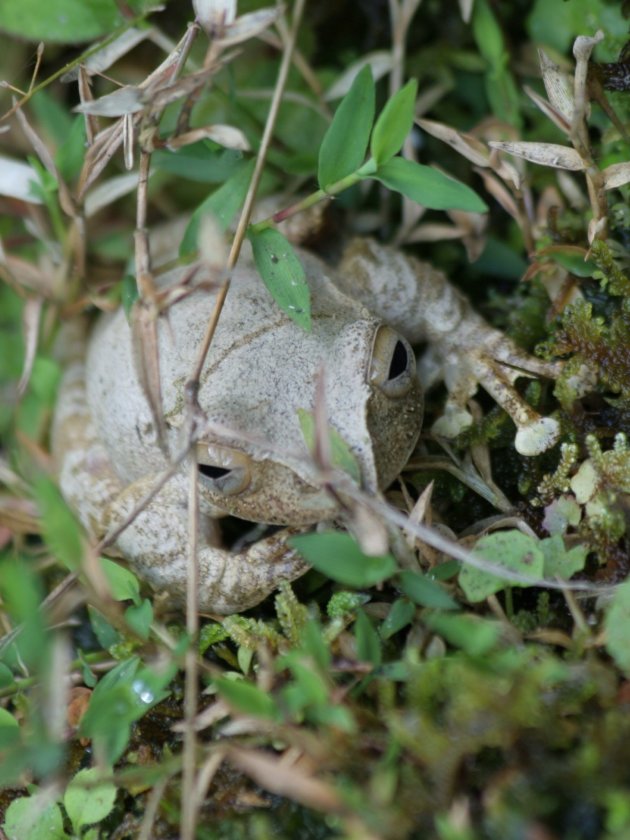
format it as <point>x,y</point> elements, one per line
<point>345,143</point>
<point>339,557</point>
<point>282,274</point>
<point>426,592</point>
<point>428,186</point>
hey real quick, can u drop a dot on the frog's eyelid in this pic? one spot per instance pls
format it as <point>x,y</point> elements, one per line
<point>393,363</point>
<point>224,470</point>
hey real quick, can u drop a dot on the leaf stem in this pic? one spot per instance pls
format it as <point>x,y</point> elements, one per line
<point>365,171</point>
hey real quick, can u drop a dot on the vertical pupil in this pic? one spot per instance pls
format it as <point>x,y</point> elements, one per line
<point>399,361</point>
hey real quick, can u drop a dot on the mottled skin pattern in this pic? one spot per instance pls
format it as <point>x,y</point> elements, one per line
<point>260,371</point>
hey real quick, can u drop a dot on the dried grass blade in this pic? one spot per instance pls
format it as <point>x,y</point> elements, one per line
<point>546,154</point>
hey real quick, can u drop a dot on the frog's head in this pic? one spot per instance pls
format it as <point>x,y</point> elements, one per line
<point>255,386</point>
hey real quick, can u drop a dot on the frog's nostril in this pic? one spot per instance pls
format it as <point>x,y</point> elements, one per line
<point>399,362</point>
<point>212,471</point>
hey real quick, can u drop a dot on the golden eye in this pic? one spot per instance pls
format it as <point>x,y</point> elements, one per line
<point>223,470</point>
<point>393,367</point>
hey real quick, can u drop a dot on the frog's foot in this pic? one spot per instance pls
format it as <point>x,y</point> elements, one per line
<point>155,539</point>
<point>234,582</point>
<point>496,372</point>
<point>228,582</point>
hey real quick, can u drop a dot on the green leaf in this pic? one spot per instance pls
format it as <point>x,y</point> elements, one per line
<point>474,635</point>
<point>488,35</point>
<point>63,21</point>
<point>59,527</point>
<point>28,819</point>
<point>560,562</point>
<point>282,274</point>
<point>510,550</point>
<point>400,614</point>
<point>368,640</point>
<point>223,204</point>
<point>21,592</point>
<point>71,152</point>
<point>428,186</point>
<point>10,735</point>
<point>123,584</point>
<point>569,21</point>
<point>106,634</point>
<point>340,453</point>
<point>424,591</point>
<point>140,617</point>
<point>129,294</point>
<point>345,143</point>
<point>394,124</point>
<point>247,698</point>
<point>339,557</point>
<point>617,627</point>
<point>204,162</point>
<point>87,799</point>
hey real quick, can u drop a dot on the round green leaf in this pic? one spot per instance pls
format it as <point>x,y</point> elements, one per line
<point>247,698</point>
<point>617,627</point>
<point>426,592</point>
<point>87,799</point>
<point>339,557</point>
<point>345,143</point>
<point>64,21</point>
<point>26,819</point>
<point>428,186</point>
<point>511,550</point>
<point>282,274</point>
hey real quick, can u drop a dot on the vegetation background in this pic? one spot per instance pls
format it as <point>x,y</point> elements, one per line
<point>443,701</point>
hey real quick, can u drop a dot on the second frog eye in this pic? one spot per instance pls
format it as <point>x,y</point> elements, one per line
<point>223,470</point>
<point>393,365</point>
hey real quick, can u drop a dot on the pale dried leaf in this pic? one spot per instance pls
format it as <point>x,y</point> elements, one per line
<point>249,25</point>
<point>128,141</point>
<point>420,512</point>
<point>370,531</point>
<point>546,154</point>
<point>65,198</point>
<point>101,60</point>
<point>572,191</point>
<point>549,111</point>
<point>292,781</point>
<point>467,145</point>
<point>110,191</point>
<point>126,100</point>
<point>16,180</point>
<point>380,61</point>
<point>28,275</point>
<point>498,191</point>
<point>435,232</point>
<point>214,15</point>
<point>224,135</point>
<point>616,175</point>
<point>31,316</point>
<point>465,9</point>
<point>409,8</point>
<point>431,95</point>
<point>559,86</point>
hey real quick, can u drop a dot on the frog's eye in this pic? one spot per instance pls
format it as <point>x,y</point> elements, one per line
<point>393,367</point>
<point>224,470</point>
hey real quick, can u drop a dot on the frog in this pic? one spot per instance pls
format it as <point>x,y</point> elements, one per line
<point>123,478</point>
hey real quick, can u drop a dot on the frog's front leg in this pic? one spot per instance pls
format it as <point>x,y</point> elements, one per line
<point>87,478</point>
<point>465,351</point>
<point>156,542</point>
